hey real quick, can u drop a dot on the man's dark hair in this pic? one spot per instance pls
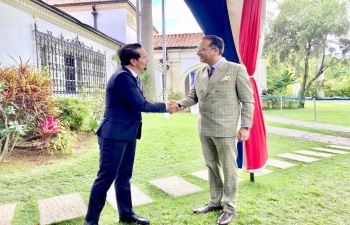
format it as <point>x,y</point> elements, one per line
<point>128,52</point>
<point>215,42</point>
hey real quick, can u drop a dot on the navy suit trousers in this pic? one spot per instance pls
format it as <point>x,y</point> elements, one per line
<point>116,164</point>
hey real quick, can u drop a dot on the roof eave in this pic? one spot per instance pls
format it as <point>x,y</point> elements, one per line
<point>74,20</point>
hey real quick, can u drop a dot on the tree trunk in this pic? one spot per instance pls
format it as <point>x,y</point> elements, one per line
<point>303,85</point>
<point>320,75</point>
<point>147,43</point>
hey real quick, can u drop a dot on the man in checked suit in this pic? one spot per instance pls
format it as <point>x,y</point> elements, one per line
<point>225,98</point>
<point>117,134</point>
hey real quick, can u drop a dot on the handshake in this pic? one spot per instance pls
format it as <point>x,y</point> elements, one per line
<point>173,106</point>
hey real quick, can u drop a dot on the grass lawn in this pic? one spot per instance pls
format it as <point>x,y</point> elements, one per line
<point>315,193</point>
<point>331,112</point>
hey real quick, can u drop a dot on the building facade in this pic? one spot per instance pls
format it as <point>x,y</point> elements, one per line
<point>75,54</point>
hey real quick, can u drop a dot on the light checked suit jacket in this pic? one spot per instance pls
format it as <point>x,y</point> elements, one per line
<point>218,98</point>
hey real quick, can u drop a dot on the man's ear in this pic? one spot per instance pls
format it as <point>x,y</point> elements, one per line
<point>133,62</point>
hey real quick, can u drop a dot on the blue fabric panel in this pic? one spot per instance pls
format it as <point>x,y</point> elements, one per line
<point>192,78</point>
<point>240,154</point>
<point>212,17</point>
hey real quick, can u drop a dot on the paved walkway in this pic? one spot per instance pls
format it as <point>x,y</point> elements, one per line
<point>308,124</point>
<point>309,136</point>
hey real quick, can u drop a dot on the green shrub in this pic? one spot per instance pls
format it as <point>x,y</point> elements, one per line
<point>175,95</point>
<point>73,112</point>
<point>97,101</point>
<point>275,103</point>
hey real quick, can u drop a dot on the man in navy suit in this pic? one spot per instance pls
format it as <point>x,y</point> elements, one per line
<point>117,134</point>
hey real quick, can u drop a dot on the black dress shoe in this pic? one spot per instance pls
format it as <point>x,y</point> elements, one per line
<point>134,219</point>
<point>207,208</point>
<point>225,218</point>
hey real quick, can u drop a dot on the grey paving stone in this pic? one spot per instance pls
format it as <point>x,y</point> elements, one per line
<point>306,152</point>
<point>330,150</point>
<point>137,197</point>
<point>201,174</point>
<point>176,186</point>
<point>297,157</point>
<point>61,208</point>
<point>339,147</point>
<point>263,172</point>
<point>279,164</point>
<point>204,175</point>
<point>6,213</point>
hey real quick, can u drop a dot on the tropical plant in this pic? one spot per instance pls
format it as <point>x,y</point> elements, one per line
<point>284,80</point>
<point>26,99</point>
<point>48,128</point>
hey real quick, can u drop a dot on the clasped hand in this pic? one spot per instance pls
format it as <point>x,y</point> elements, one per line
<point>172,107</point>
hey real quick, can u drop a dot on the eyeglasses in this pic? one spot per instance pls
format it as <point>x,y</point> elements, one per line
<point>200,49</point>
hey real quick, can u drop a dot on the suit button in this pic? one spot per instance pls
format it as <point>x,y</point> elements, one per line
<point>212,101</point>
<point>203,110</point>
<point>212,111</point>
<point>216,90</point>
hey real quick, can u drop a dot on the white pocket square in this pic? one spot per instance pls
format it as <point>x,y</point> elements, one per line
<point>227,78</point>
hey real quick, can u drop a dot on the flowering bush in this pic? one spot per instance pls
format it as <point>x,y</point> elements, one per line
<point>26,91</point>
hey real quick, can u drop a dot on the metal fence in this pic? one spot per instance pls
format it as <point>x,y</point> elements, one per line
<point>71,64</point>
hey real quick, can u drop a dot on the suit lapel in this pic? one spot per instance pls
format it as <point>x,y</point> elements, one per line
<point>131,75</point>
<point>218,74</point>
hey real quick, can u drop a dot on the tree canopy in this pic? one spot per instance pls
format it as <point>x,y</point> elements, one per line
<point>306,30</point>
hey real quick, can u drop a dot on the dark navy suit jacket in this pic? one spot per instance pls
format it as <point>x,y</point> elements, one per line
<point>124,104</point>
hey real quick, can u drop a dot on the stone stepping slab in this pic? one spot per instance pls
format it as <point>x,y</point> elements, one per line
<point>279,164</point>
<point>61,208</point>
<point>319,154</point>
<point>339,147</point>
<point>6,213</point>
<point>330,151</point>
<point>204,175</point>
<point>297,157</point>
<point>175,186</point>
<point>137,197</point>
<point>263,172</point>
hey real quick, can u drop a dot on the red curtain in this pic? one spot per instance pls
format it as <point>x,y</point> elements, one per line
<point>256,147</point>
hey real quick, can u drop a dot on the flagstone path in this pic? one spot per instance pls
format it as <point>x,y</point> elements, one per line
<point>137,197</point>
<point>175,186</point>
<point>306,152</point>
<point>6,213</point>
<point>61,208</point>
<point>331,151</point>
